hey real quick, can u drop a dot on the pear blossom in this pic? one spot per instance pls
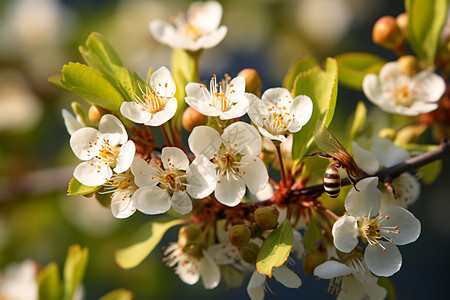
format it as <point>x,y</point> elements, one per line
<point>73,123</point>
<point>159,189</point>
<point>277,114</point>
<point>190,268</point>
<point>19,281</point>
<point>384,153</point>
<point>225,100</point>
<point>157,104</point>
<point>234,154</point>
<point>198,30</point>
<point>382,231</point>
<point>396,92</point>
<point>102,150</point>
<point>257,284</point>
<point>350,278</point>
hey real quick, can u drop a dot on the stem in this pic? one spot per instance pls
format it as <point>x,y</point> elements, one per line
<point>169,141</point>
<point>280,160</point>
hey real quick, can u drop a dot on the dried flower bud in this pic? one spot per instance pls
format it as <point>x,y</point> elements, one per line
<point>386,33</point>
<point>240,235</point>
<point>402,23</point>
<point>252,80</point>
<point>96,113</point>
<point>192,118</point>
<point>249,253</point>
<point>187,234</point>
<point>267,217</point>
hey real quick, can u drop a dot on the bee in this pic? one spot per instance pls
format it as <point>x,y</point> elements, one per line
<point>340,158</point>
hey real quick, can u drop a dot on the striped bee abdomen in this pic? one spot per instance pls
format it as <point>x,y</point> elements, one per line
<point>332,181</point>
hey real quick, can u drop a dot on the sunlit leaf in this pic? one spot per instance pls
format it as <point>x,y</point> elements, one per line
<point>430,172</point>
<point>425,21</point>
<point>300,65</point>
<point>275,249</point>
<point>147,238</point>
<point>74,268</point>
<point>321,86</point>
<point>77,188</point>
<point>119,294</point>
<point>49,283</point>
<point>357,120</point>
<point>354,66</point>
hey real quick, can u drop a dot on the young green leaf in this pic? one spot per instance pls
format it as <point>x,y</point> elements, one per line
<point>77,188</point>
<point>275,249</point>
<point>321,86</point>
<point>74,268</point>
<point>354,66</point>
<point>148,238</point>
<point>299,65</point>
<point>356,121</point>
<point>49,283</point>
<point>312,235</point>
<point>88,83</point>
<point>425,21</point>
<point>119,294</point>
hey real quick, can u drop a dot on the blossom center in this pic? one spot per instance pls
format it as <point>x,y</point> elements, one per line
<point>374,231</point>
<point>402,96</point>
<point>220,98</point>
<point>278,119</point>
<point>227,162</point>
<point>183,25</point>
<point>121,184</point>
<point>151,101</point>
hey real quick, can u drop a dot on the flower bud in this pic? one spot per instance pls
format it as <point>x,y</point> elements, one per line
<point>187,234</point>
<point>252,80</point>
<point>192,118</point>
<point>409,64</point>
<point>240,235</point>
<point>249,253</point>
<point>96,113</point>
<point>386,33</point>
<point>267,217</point>
<point>402,23</point>
<point>388,133</point>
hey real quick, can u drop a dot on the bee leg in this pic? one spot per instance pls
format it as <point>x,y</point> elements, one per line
<point>320,154</point>
<point>353,182</point>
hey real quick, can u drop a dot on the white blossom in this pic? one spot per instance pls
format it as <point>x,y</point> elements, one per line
<point>19,281</point>
<point>396,92</point>
<point>225,100</point>
<point>234,154</point>
<point>73,123</point>
<point>198,30</point>
<point>277,114</point>
<point>382,231</point>
<point>102,150</point>
<point>157,104</point>
<point>160,189</point>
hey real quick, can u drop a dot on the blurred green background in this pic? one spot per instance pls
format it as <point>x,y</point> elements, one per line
<point>38,220</point>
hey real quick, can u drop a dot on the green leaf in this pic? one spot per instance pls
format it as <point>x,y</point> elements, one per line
<point>88,83</point>
<point>77,188</point>
<point>321,86</point>
<point>357,120</point>
<point>430,172</point>
<point>312,235</point>
<point>275,249</point>
<point>148,238</point>
<point>425,21</point>
<point>354,66</point>
<point>299,65</point>
<point>119,294</point>
<point>389,286</point>
<point>49,283</point>
<point>74,268</point>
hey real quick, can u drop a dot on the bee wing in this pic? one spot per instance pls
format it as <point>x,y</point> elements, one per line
<point>326,141</point>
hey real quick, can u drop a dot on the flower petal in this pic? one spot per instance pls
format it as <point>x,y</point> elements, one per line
<point>255,286</point>
<point>387,153</point>
<point>239,109</point>
<point>229,191</point>
<point>201,178</point>
<point>82,140</point>
<point>244,138</point>
<point>367,201</point>
<point>287,277</point>
<point>112,130</point>
<point>383,263</point>
<point>199,98</point>
<point>204,140</point>
<point>331,269</point>
<point>257,110</point>
<point>152,200</point>
<point>366,160</point>
<point>162,31</point>
<point>211,39</point>
<point>276,94</point>
<point>181,202</point>
<point>301,111</point>
<point>92,173</point>
<point>351,289</point>
<point>432,85</point>
<point>135,112</point>
<point>122,207</point>
<point>345,233</point>
<point>161,81</point>
<point>205,16</point>
<point>254,173</point>
<point>209,272</point>
<point>164,115</point>
<point>144,174</point>
<point>72,124</point>
<point>408,225</point>
<point>125,157</point>
<point>173,157</point>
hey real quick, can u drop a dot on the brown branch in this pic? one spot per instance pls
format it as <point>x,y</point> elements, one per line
<point>388,174</point>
